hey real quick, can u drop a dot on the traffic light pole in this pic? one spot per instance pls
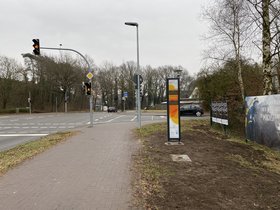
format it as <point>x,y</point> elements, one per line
<point>89,70</point>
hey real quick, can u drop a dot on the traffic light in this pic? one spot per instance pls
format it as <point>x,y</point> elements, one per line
<point>83,88</point>
<point>141,90</point>
<point>135,80</point>
<point>36,46</point>
<point>140,79</point>
<point>88,88</point>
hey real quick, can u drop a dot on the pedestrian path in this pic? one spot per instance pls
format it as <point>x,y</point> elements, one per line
<point>89,171</point>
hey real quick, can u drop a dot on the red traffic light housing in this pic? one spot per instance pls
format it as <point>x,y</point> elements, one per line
<point>36,46</point>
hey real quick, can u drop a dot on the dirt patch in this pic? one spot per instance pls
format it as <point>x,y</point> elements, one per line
<point>224,173</point>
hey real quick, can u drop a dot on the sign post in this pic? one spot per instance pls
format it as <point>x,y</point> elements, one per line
<point>125,95</point>
<point>173,109</point>
<point>219,113</point>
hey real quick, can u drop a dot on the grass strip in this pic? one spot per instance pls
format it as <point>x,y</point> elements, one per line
<point>18,154</point>
<point>148,130</point>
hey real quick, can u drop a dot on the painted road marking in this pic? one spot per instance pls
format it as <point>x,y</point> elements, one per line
<point>115,118</point>
<point>4,117</point>
<point>133,118</point>
<point>24,134</point>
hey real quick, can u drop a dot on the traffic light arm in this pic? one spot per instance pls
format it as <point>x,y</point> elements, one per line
<point>68,49</point>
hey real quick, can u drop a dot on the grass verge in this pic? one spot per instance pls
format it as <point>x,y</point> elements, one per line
<point>272,157</point>
<point>148,130</point>
<point>18,154</point>
<point>147,171</point>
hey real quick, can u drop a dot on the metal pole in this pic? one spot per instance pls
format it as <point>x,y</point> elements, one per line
<point>56,104</point>
<point>65,101</point>
<point>30,102</point>
<point>137,103</point>
<point>91,105</point>
<point>138,83</point>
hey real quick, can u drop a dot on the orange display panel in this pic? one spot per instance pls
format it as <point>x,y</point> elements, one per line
<point>173,109</point>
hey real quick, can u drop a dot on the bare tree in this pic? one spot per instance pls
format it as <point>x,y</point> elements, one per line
<point>9,71</point>
<point>152,84</point>
<point>107,78</point>
<point>230,32</point>
<point>266,15</point>
<point>126,72</point>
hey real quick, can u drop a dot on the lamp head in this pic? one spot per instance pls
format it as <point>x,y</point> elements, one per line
<point>131,24</point>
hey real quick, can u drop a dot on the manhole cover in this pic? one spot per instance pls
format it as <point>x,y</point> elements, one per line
<point>179,158</point>
<point>174,143</point>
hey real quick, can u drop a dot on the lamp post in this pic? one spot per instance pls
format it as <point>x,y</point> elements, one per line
<point>178,72</point>
<point>138,73</point>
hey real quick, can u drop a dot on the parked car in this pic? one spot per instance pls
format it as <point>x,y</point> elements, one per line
<point>191,109</point>
<point>112,109</point>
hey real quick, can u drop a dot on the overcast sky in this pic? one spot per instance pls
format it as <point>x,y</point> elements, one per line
<point>169,30</point>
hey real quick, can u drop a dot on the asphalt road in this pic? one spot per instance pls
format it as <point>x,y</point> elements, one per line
<point>17,129</point>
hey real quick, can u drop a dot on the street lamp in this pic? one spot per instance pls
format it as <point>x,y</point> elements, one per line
<point>138,73</point>
<point>178,72</point>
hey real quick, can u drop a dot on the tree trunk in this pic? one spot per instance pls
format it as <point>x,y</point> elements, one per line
<point>267,79</point>
<point>240,79</point>
<point>237,53</point>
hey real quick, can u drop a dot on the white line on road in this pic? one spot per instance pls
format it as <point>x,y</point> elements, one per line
<point>133,118</point>
<point>24,134</point>
<point>115,118</point>
<point>4,117</point>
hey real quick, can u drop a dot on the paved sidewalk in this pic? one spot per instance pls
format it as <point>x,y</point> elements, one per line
<point>89,171</point>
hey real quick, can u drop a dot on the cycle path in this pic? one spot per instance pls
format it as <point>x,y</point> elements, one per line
<point>90,170</point>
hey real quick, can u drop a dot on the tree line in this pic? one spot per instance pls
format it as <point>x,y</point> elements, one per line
<point>50,82</point>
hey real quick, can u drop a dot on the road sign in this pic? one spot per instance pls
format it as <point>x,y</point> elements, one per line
<point>125,94</point>
<point>89,75</point>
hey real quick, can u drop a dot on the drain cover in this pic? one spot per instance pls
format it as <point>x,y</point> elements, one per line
<point>179,158</point>
<point>172,143</point>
